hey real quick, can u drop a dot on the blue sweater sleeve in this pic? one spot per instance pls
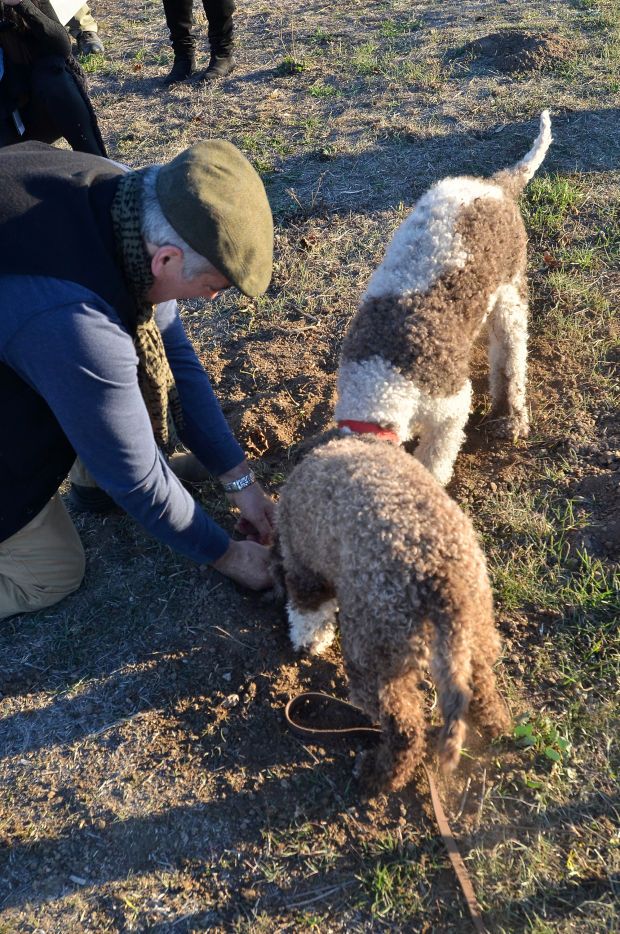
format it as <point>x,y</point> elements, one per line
<point>82,361</point>
<point>206,431</point>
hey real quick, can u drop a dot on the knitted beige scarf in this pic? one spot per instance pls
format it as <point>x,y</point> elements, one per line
<point>154,374</point>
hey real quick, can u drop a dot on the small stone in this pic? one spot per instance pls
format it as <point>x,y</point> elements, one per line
<point>227,676</point>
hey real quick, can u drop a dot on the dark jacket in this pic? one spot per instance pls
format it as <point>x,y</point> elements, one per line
<point>28,33</point>
<point>54,221</point>
<point>43,91</point>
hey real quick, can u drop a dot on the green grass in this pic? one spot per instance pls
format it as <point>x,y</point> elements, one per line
<point>548,201</point>
<point>94,63</point>
<point>321,36</point>
<point>290,66</point>
<point>264,147</point>
<point>320,90</point>
<point>394,875</point>
<point>542,569</point>
<point>366,59</point>
<point>393,29</point>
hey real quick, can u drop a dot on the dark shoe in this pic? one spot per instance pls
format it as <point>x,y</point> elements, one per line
<point>89,43</point>
<point>182,68</point>
<point>188,468</point>
<point>90,499</point>
<point>220,65</point>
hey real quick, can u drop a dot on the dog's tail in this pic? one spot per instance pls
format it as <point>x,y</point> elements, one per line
<point>452,735</point>
<point>451,670</point>
<point>515,178</point>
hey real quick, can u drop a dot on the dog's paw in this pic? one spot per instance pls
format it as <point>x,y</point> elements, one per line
<point>314,643</point>
<point>312,630</point>
<point>322,640</point>
<point>511,427</point>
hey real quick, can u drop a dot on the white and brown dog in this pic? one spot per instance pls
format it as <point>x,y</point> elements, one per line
<point>456,261</point>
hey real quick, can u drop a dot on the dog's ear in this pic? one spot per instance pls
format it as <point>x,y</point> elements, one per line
<point>299,450</point>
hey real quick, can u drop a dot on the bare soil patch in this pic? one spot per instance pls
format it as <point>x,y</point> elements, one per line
<point>512,51</point>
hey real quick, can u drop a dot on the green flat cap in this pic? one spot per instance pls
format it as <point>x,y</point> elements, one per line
<point>216,202</point>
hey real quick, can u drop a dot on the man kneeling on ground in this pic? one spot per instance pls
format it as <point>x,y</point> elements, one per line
<point>89,368</point>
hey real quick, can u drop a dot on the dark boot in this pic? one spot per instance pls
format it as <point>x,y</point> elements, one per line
<point>219,15</point>
<point>179,20</point>
<point>89,43</point>
<point>220,65</point>
<point>90,499</point>
<point>184,65</point>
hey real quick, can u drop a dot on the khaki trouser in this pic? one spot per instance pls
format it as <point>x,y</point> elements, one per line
<point>82,21</point>
<point>42,563</point>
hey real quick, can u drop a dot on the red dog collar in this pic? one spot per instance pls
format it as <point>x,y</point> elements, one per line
<point>368,428</point>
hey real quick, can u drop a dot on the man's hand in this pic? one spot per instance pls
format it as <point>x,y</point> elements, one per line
<point>257,513</point>
<point>247,563</point>
<point>256,507</point>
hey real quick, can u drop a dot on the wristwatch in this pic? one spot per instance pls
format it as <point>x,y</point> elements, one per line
<point>235,486</point>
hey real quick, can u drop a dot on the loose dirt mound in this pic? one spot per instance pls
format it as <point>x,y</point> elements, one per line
<point>279,388</point>
<point>512,51</point>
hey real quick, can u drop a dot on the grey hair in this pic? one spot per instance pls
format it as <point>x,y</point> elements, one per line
<point>157,230</point>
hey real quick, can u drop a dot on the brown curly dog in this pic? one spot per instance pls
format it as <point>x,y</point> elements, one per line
<point>365,531</point>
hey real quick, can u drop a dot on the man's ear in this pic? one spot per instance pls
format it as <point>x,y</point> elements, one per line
<point>163,256</point>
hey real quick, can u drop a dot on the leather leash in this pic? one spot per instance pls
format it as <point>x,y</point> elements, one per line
<point>364,730</point>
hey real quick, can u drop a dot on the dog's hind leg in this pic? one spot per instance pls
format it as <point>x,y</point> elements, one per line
<point>400,707</point>
<point>508,360</point>
<point>442,432</point>
<point>311,610</point>
<point>401,716</point>
<point>386,685</point>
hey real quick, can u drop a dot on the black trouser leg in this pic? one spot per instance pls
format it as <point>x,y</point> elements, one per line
<point>180,20</point>
<point>57,108</point>
<point>219,13</point>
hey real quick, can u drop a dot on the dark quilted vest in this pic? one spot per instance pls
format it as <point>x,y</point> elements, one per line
<point>54,221</point>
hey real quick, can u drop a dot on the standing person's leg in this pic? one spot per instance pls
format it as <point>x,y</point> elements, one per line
<point>83,28</point>
<point>42,563</point>
<point>179,19</point>
<point>58,101</point>
<point>220,16</point>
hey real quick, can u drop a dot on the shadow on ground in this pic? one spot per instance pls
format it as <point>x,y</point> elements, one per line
<point>584,141</point>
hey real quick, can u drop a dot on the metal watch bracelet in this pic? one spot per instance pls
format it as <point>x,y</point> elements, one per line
<point>235,486</point>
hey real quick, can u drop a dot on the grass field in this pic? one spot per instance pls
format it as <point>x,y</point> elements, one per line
<point>147,782</point>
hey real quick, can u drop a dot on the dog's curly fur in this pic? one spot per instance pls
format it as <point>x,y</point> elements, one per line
<point>456,261</point>
<point>365,530</point>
